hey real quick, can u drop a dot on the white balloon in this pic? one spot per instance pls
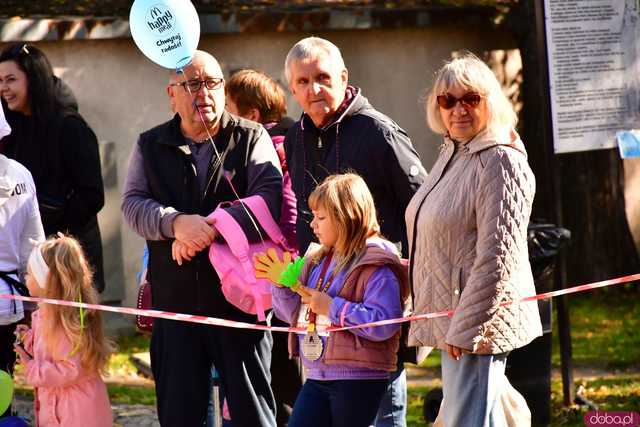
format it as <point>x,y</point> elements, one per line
<point>166,31</point>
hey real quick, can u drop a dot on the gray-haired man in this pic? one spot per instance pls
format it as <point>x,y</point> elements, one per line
<point>339,130</point>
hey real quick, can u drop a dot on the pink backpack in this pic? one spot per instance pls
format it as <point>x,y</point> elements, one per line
<point>233,258</point>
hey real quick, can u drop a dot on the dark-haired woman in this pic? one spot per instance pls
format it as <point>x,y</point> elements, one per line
<point>56,145</point>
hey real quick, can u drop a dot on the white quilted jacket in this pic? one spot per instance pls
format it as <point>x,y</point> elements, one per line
<point>467,229</point>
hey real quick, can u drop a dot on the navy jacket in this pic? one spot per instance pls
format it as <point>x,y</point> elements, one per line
<point>364,141</point>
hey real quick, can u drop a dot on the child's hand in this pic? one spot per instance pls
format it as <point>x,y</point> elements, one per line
<point>20,331</point>
<point>22,354</point>
<point>319,302</point>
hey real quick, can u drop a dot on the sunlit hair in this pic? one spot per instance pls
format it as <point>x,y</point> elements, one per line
<point>253,89</point>
<point>69,278</point>
<point>312,48</point>
<point>471,73</point>
<point>348,201</point>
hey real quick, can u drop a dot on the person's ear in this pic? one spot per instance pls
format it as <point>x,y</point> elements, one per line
<point>254,115</point>
<point>344,77</point>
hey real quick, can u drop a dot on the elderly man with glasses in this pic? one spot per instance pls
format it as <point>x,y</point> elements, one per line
<point>175,179</point>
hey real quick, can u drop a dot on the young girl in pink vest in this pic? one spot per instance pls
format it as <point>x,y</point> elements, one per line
<point>65,350</point>
<point>356,277</point>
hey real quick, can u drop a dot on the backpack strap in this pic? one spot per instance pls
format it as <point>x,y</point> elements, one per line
<point>260,210</point>
<point>233,234</point>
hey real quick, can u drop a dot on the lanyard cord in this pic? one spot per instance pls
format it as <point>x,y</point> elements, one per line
<point>310,315</point>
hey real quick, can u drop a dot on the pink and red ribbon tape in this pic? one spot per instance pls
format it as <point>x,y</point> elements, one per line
<point>243,325</point>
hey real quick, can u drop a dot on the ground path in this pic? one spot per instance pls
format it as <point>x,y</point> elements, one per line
<point>145,416</point>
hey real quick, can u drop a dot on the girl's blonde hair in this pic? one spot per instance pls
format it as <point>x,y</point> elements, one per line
<point>348,201</point>
<point>70,279</point>
<point>471,73</point>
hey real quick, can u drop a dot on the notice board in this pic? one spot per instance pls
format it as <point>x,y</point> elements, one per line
<point>593,49</point>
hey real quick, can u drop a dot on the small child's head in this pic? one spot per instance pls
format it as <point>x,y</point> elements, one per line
<point>344,215</point>
<point>58,269</point>
<point>255,96</point>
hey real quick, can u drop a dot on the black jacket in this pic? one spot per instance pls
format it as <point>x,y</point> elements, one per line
<point>364,141</point>
<point>194,287</point>
<point>64,159</point>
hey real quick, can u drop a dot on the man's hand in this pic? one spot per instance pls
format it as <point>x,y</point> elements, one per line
<point>319,302</point>
<point>181,252</point>
<point>195,231</point>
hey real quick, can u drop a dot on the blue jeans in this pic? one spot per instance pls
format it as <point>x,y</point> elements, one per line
<point>338,403</point>
<point>471,389</point>
<point>393,408</point>
<point>211,410</point>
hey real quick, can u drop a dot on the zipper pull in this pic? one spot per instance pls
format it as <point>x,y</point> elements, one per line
<point>319,142</point>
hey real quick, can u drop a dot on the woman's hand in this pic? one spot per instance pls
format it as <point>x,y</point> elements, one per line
<point>455,352</point>
<point>319,302</point>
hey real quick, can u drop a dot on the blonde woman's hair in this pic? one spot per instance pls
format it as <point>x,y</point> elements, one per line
<point>471,73</point>
<point>71,279</point>
<point>348,201</point>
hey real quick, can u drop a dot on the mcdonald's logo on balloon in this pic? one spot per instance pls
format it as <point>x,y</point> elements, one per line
<point>166,31</point>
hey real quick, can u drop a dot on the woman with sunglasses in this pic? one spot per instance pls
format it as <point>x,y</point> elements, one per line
<point>467,229</point>
<point>56,145</point>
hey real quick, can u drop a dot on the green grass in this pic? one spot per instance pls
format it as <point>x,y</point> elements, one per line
<point>119,362</point>
<point>415,400</point>
<point>432,361</point>
<point>131,394</point>
<point>605,330</point>
<point>621,393</point>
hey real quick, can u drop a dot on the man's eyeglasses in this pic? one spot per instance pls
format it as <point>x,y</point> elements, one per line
<point>468,100</point>
<point>195,85</point>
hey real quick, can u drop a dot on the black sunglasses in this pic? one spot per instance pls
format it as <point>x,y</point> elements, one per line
<point>468,100</point>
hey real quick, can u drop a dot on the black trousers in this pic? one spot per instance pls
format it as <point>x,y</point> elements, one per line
<point>7,354</point>
<point>181,358</point>
<point>286,374</point>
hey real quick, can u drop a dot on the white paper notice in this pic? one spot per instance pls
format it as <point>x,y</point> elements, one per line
<point>593,52</point>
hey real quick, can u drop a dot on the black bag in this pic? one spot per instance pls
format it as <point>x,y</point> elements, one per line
<point>544,242</point>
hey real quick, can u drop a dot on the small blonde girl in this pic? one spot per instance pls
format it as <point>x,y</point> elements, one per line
<point>65,350</point>
<point>356,277</point>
